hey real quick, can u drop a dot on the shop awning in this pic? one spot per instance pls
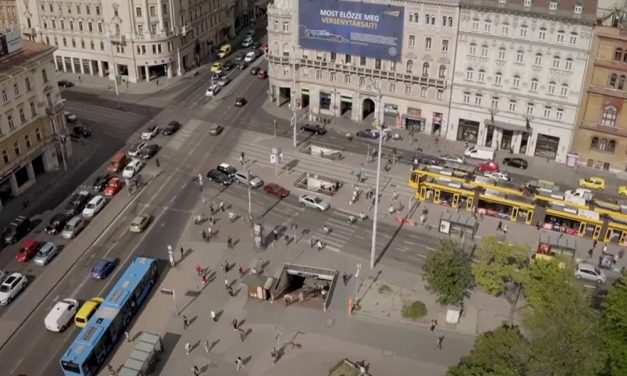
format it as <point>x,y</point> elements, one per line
<point>507,126</point>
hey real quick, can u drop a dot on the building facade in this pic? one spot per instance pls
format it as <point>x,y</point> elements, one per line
<point>133,40</point>
<point>518,74</point>
<point>412,91</point>
<point>32,124</point>
<point>8,15</point>
<point>601,137</point>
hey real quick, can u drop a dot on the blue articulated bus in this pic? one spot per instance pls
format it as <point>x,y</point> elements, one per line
<point>96,340</point>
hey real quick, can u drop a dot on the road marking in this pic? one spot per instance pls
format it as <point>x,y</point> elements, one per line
<point>430,249</point>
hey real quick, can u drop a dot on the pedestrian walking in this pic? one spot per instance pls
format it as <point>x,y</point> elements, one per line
<point>499,227</point>
<point>211,208</point>
<point>212,220</point>
<point>229,242</point>
<point>275,234</point>
<point>345,279</point>
<point>434,323</point>
<point>604,248</point>
<point>590,252</point>
<point>319,245</point>
<point>301,296</point>
<point>188,348</point>
<point>185,322</point>
<point>198,270</point>
<point>594,243</point>
<point>195,371</point>
<point>312,242</point>
<point>230,291</point>
<point>182,253</point>
<point>127,335</point>
<point>222,206</point>
<point>438,343</point>
<point>206,346</point>
<point>242,334</point>
<point>213,316</point>
<point>227,283</point>
<point>274,354</point>
<point>235,324</point>
<point>226,266</point>
<point>171,258</point>
<point>240,269</point>
<point>505,230</point>
<point>239,363</point>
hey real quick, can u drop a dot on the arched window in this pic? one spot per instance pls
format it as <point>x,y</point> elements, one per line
<point>551,89</point>
<point>498,78</point>
<point>473,49</point>
<point>444,21</point>
<point>608,118</point>
<point>538,60</point>
<point>469,74</point>
<point>618,54</point>
<point>425,69</point>
<point>442,71</point>
<point>564,90</point>
<point>602,144</point>
<point>410,66</point>
<point>556,62</point>
<point>27,141</point>
<point>16,148</point>
<point>611,146</point>
<point>613,78</point>
<point>5,156</point>
<point>450,21</point>
<point>416,17</point>
<point>621,82</point>
<point>594,144</point>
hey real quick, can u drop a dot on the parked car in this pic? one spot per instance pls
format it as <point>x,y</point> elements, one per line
<point>81,131</point>
<point>171,128</point>
<point>28,250</point>
<point>213,90</point>
<point>368,133</point>
<point>150,132</point>
<point>239,57</point>
<point>61,315</point>
<point>622,190</point>
<point>56,224</point>
<point>254,70</point>
<point>103,268</point>
<point>250,56</point>
<point>46,253</point>
<point>314,202</point>
<point>73,227</point>
<point>592,182</point>
<point>242,65</point>
<point>262,74</point>
<point>242,177</point>
<point>134,150</point>
<point>65,83</point>
<point>240,102</point>
<point>497,175</point>
<point>515,162</point>
<point>216,76</point>
<point>590,272</point>
<point>140,223</point>
<point>148,151</point>
<point>227,169</point>
<point>69,117</point>
<point>314,128</point>
<point>222,82</point>
<point>276,190</point>
<point>247,41</point>
<point>453,158</point>
<point>18,228</point>
<point>113,187</point>
<point>216,67</point>
<point>94,206</point>
<point>100,182</point>
<point>216,129</point>
<point>219,177</point>
<point>488,166</point>
<point>11,287</point>
<point>77,203</point>
<point>228,65</point>
<point>425,159</point>
<point>132,169</point>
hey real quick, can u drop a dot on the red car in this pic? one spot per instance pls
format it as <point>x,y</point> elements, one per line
<point>28,250</point>
<point>276,190</point>
<point>262,75</point>
<point>488,166</point>
<point>113,186</point>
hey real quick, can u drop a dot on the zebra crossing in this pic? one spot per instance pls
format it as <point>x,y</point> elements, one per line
<point>340,233</point>
<point>188,130</point>
<point>111,118</point>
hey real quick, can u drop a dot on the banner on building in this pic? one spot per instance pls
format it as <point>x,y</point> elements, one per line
<point>353,28</point>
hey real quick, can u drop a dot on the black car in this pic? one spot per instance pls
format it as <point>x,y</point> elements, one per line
<point>240,102</point>
<point>242,65</point>
<point>100,182</point>
<point>219,177</point>
<point>56,224</point>
<point>81,131</point>
<point>17,229</point>
<point>65,83</point>
<point>171,128</point>
<point>314,128</point>
<point>254,70</point>
<point>228,65</point>
<point>148,151</point>
<point>255,45</point>
<point>515,162</point>
<point>227,169</point>
<point>239,57</point>
<point>77,203</point>
<point>425,159</point>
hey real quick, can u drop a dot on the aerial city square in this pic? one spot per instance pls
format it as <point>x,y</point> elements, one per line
<point>313,187</point>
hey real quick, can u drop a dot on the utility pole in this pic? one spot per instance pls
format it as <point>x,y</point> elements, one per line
<point>373,246</point>
<point>115,70</point>
<point>294,120</point>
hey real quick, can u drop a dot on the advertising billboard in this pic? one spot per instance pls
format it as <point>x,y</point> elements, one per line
<point>10,42</point>
<point>354,28</point>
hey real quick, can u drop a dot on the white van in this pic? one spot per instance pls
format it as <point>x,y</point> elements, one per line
<point>61,315</point>
<point>480,152</point>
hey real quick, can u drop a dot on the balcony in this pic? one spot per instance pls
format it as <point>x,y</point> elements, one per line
<point>594,126</point>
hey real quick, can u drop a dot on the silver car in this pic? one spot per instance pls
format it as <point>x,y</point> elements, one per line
<point>590,273</point>
<point>46,253</point>
<point>242,177</point>
<point>314,202</point>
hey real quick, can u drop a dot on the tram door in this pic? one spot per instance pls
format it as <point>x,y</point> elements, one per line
<point>469,202</point>
<point>623,238</point>
<point>597,232</point>
<point>423,193</point>
<point>436,196</point>
<point>514,214</point>
<point>529,216</point>
<point>455,202</point>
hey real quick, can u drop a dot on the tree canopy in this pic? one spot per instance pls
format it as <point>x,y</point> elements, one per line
<point>615,324</point>
<point>448,273</point>
<point>499,264</point>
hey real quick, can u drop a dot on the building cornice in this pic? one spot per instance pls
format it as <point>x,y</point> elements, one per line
<point>529,12</point>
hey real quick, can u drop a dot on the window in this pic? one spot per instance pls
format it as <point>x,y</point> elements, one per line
<point>530,108</point>
<point>333,77</point>
<point>523,31</point>
<point>553,5</point>
<point>516,82</point>
<point>568,65</point>
<point>495,102</point>
<point>428,43</point>
<point>444,45</point>
<point>578,9</point>
<point>27,142</point>
<point>475,24</point>
<point>612,81</point>
<point>444,21</point>
<point>560,36</point>
<point>87,9</point>
<point>564,90</point>
<point>347,59</point>
<point>618,54</point>
<point>484,50</point>
<point>27,82</point>
<point>556,62</point>
<point>520,56</point>
<point>501,53</point>
<point>505,29</point>
<point>425,69</point>
<point>393,66</point>
<point>466,97</point>
<point>333,56</point>
<point>377,64</point>
<point>450,21</point>
<point>362,60</point>
<point>99,27</point>
<point>542,33</point>
<point>10,121</point>
<point>538,60</point>
<point>138,12</point>
<point>152,11</point>
<point>412,41</point>
<point>71,25</point>
<point>621,82</point>
<point>608,118</point>
<point>33,110</point>
<point>432,20</point>
<point>347,79</point>
<point>318,74</point>
<point>423,91</point>
<point>487,26</point>
<point>16,148</point>
<point>97,10</point>
<point>473,49</point>
<point>551,89</point>
<point>407,89</point>
<point>478,98</point>
<point>16,89</point>
<point>413,17</point>
<point>37,134</point>
<point>440,94</point>
<point>5,156</point>
<point>90,27</point>
<point>559,115</point>
<point>498,78</point>
<point>481,75</point>
<point>5,97</point>
<point>22,116</point>
<point>512,105</point>
<point>442,71</point>
<point>547,112</point>
<point>573,38</point>
<point>427,18</point>
<point>469,74</point>
<point>410,66</point>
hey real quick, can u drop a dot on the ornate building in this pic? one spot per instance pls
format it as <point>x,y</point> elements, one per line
<point>517,81</point>
<point>8,15</point>
<point>601,138</point>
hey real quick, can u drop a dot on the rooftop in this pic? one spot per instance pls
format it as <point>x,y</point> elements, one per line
<point>30,51</point>
<point>540,8</point>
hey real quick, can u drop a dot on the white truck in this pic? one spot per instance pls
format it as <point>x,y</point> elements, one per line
<point>579,196</point>
<point>480,152</point>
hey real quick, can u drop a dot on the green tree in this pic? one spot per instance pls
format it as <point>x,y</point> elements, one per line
<point>615,325</point>
<point>448,274</point>
<point>542,280</point>
<point>501,352</point>
<point>499,264</point>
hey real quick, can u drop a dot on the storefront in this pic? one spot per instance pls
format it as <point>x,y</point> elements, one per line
<point>391,115</point>
<point>468,131</point>
<point>414,120</point>
<point>546,146</point>
<point>346,104</point>
<point>325,101</point>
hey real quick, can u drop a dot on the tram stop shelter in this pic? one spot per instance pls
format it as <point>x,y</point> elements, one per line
<point>143,358</point>
<point>553,244</point>
<point>462,224</point>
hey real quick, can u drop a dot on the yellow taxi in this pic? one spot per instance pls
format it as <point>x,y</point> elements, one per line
<point>622,190</point>
<point>592,182</point>
<point>87,310</point>
<point>217,67</point>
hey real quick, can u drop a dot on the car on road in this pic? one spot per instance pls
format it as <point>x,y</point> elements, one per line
<point>101,181</point>
<point>314,128</point>
<point>590,272</point>
<point>103,268</point>
<point>28,250</point>
<point>136,148</point>
<point>73,227</point>
<point>81,131</point>
<point>219,177</point>
<point>313,201</point>
<point>148,151</point>
<point>250,56</point>
<point>216,129</point>
<point>113,187</point>
<point>453,158</point>
<point>254,70</point>
<point>223,81</point>
<point>240,102</point>
<point>255,45</point>
<point>212,90</point>
<point>132,169</point>
<point>425,159</point>
<point>46,253</point>
<point>61,315</point>
<point>239,57</point>
<point>227,169</point>
<point>276,190</point>
<point>515,162</point>
<point>497,175</point>
<point>216,76</point>
<point>622,190</point>
<point>70,117</point>
<point>242,65</point>
<point>171,128</point>
<point>488,166</point>
<point>77,203</point>
<point>17,229</point>
<point>150,132</point>
<point>139,223</point>
<point>592,182</point>
<point>368,133</point>
<point>56,224</point>
<point>217,67</point>
<point>11,287</point>
<point>94,206</point>
<point>243,177</point>
<point>65,83</point>
<point>228,65</point>
<point>247,41</point>
<point>262,74</point>
<point>86,311</point>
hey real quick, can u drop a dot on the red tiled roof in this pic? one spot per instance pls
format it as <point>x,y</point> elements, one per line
<point>29,51</point>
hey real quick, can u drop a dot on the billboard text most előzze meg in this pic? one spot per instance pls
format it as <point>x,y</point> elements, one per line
<point>354,28</point>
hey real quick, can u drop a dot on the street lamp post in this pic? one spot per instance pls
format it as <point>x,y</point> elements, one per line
<point>61,138</point>
<point>373,245</point>
<point>293,96</point>
<point>115,70</point>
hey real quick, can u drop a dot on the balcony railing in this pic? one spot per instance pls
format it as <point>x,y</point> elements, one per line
<point>594,126</point>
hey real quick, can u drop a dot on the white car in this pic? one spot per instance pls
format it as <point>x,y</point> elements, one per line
<point>590,273</point>
<point>247,42</point>
<point>94,206</point>
<point>132,169</point>
<point>61,315</point>
<point>11,287</point>
<point>70,117</point>
<point>250,56</point>
<point>223,81</point>
<point>150,132</point>
<point>213,90</point>
<point>453,158</point>
<point>313,201</point>
<point>497,175</point>
<point>242,177</point>
<point>136,148</point>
